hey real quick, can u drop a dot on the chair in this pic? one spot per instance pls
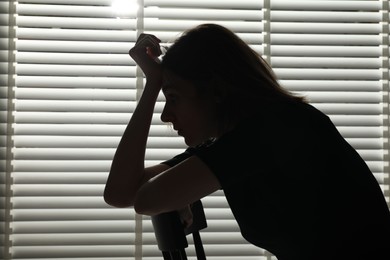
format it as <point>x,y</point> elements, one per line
<point>171,236</point>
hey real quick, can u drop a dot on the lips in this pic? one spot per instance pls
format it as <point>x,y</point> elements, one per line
<point>179,131</point>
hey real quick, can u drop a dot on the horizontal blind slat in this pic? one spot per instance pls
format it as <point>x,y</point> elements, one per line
<point>326,51</point>
<point>58,177</point>
<point>247,4</point>
<point>332,85</point>
<point>325,28</point>
<point>72,46</point>
<point>68,2</point>
<point>32,94</point>
<point>321,15</point>
<point>69,10</point>
<point>54,82</point>
<point>203,14</point>
<point>75,58</point>
<point>328,62</point>
<point>45,252</point>
<point>77,23</point>
<point>325,5</point>
<point>55,214</point>
<point>76,70</point>
<point>74,239</point>
<point>80,35</point>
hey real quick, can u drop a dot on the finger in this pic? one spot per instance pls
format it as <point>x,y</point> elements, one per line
<point>152,46</point>
<point>152,49</point>
<point>150,37</point>
<point>153,52</point>
<point>147,42</point>
<point>143,35</point>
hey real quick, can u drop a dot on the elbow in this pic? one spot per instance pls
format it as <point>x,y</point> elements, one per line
<point>150,209</point>
<point>148,203</point>
<point>143,209</point>
<point>117,200</point>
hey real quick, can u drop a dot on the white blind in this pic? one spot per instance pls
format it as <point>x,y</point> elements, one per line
<point>6,83</point>
<point>76,87</point>
<point>75,91</point>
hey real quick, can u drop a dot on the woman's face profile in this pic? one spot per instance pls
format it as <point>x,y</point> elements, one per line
<point>192,117</point>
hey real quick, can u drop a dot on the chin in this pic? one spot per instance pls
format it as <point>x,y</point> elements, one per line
<point>193,142</point>
<point>190,144</point>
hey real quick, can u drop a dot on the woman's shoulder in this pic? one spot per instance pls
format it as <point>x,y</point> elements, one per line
<point>285,113</point>
<point>295,108</point>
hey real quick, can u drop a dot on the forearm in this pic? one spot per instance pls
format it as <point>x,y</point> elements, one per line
<point>127,168</point>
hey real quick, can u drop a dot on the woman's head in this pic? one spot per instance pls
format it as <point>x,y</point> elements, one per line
<point>224,68</point>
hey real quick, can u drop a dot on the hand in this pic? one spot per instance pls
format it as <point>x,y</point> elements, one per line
<point>186,216</point>
<point>145,53</point>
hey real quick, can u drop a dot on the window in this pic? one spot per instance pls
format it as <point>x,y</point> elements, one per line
<point>68,88</point>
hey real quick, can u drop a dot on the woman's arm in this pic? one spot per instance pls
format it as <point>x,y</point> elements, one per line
<point>128,171</point>
<point>176,187</point>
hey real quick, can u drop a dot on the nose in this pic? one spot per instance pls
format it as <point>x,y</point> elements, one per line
<point>166,115</point>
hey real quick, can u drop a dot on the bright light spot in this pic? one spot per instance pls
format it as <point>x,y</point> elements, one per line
<point>124,8</point>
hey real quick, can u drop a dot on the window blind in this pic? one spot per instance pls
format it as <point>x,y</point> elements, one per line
<point>6,83</point>
<point>76,87</point>
<point>75,91</point>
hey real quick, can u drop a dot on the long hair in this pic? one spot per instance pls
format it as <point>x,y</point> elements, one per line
<point>220,63</point>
